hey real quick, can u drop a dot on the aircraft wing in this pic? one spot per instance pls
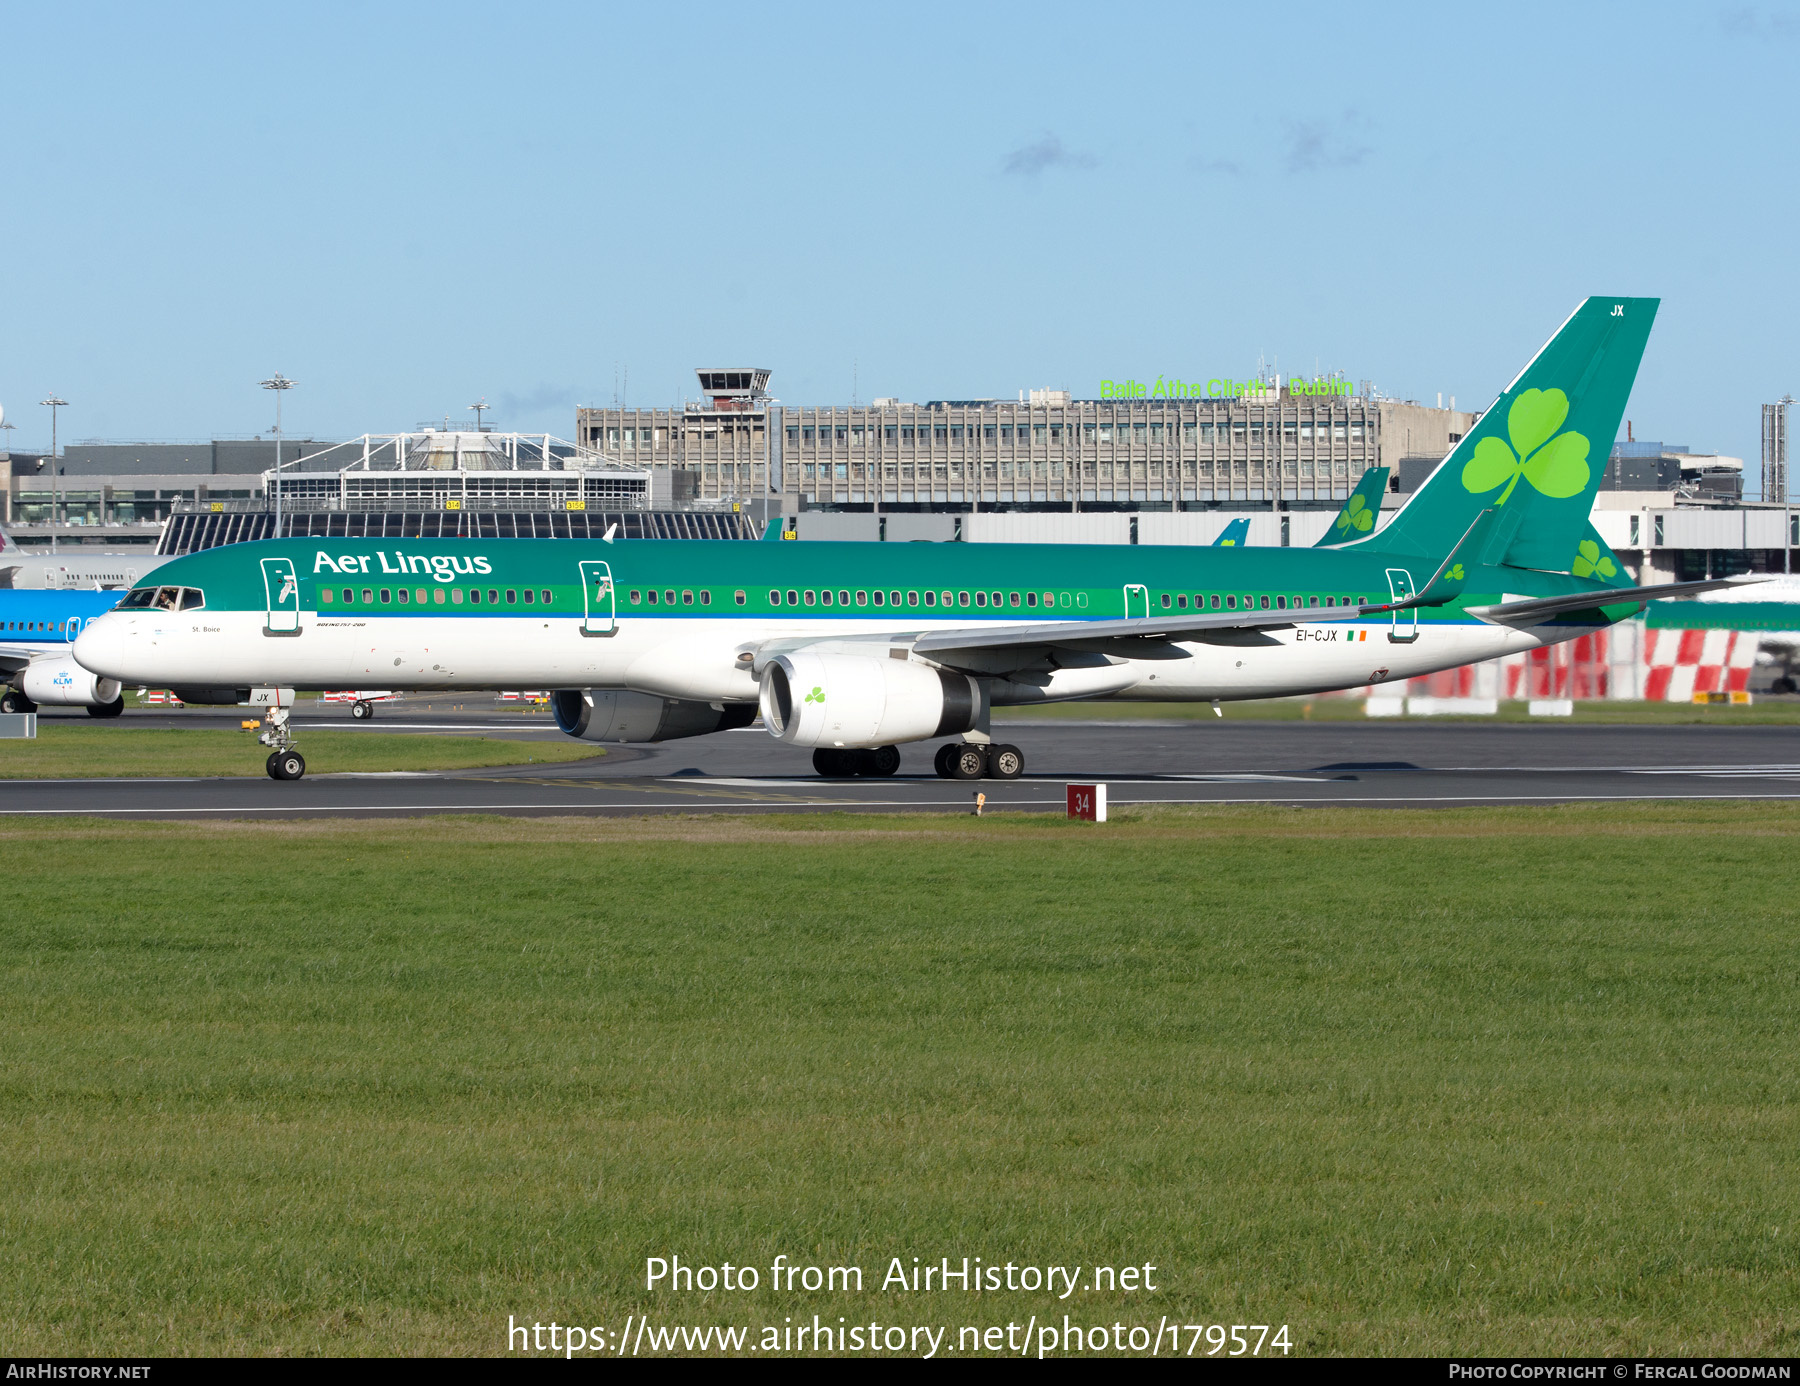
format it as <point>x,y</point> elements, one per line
<point>1148,628</point>
<point>1532,608</point>
<point>15,657</point>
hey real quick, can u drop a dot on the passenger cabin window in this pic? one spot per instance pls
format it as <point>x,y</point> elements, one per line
<point>349,596</point>
<point>793,597</point>
<point>687,596</point>
<point>705,597</point>
<point>650,596</point>
<point>1031,599</point>
<point>510,598</point>
<point>931,599</point>
<point>739,597</point>
<point>368,597</point>
<point>403,594</point>
<point>880,597</point>
<point>387,595</point>
<point>546,596</point>
<point>493,596</point>
<point>475,596</point>
<point>325,595</point>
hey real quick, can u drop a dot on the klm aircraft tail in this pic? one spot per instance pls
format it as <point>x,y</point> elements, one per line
<point>1361,513</point>
<point>1535,458</point>
<point>1235,535</point>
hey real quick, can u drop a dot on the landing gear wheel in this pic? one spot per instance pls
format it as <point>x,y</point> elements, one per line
<point>286,765</point>
<point>970,762</point>
<point>14,701</point>
<point>944,760</point>
<point>882,761</point>
<point>362,709</point>
<point>115,708</point>
<point>1005,762</point>
<point>831,763</point>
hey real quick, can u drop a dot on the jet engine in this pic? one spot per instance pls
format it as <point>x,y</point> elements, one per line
<point>864,700</point>
<point>599,715</point>
<point>64,683</point>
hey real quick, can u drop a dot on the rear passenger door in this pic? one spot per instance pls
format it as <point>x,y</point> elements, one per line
<point>597,605</point>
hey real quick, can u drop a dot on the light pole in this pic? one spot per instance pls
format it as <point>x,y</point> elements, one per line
<point>279,383</point>
<point>53,403</point>
<point>478,406</point>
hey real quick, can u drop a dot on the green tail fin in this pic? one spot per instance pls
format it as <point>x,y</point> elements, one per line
<point>1361,513</point>
<point>1234,536</point>
<point>1537,455</point>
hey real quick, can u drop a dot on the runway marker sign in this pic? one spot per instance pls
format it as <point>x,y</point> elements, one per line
<point>1088,802</point>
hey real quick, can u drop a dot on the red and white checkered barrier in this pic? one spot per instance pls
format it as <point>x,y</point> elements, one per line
<point>353,695</point>
<point>159,697</point>
<point>1681,663</point>
<point>1625,661</point>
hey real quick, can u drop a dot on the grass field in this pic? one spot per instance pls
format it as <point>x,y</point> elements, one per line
<point>1474,1081</point>
<point>82,750</point>
<point>1783,712</point>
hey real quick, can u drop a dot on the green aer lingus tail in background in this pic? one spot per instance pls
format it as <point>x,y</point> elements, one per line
<point>1536,456</point>
<point>1361,513</point>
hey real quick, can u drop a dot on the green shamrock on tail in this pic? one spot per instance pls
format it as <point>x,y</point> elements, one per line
<point>1356,513</point>
<point>1455,574</point>
<point>817,695</point>
<point>1554,465</point>
<point>1589,563</point>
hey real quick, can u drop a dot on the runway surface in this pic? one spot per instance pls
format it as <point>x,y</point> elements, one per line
<point>1397,764</point>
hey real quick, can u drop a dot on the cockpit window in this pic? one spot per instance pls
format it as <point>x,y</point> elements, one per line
<point>164,599</point>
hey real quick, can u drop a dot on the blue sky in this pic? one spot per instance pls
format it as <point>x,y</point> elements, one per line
<point>404,208</point>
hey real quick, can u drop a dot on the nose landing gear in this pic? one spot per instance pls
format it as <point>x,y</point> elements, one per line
<point>285,763</point>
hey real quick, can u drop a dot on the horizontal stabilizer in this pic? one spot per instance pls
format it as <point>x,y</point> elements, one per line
<point>1605,596</point>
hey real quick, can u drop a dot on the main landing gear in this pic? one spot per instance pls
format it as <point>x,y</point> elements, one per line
<point>362,709</point>
<point>839,764</point>
<point>970,760</point>
<point>285,763</point>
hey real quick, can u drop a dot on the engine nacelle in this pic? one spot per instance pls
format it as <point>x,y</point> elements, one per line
<point>864,700</point>
<point>64,683</point>
<point>601,715</point>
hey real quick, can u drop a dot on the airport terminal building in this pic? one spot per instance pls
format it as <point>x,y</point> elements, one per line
<point>1274,444</point>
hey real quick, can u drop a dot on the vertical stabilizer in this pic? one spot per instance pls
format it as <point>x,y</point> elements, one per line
<point>1361,513</point>
<point>1537,455</point>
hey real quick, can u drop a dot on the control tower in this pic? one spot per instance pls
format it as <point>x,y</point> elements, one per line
<point>734,387</point>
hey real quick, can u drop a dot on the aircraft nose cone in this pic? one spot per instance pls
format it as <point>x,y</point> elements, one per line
<point>100,648</point>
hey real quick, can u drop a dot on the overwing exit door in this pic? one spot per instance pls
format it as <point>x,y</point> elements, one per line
<point>597,599</point>
<point>282,589</point>
<point>1137,602</point>
<point>1405,623</point>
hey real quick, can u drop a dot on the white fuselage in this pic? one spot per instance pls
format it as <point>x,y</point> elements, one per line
<point>703,658</point>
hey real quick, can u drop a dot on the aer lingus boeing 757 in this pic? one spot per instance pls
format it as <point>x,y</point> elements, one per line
<point>851,649</point>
